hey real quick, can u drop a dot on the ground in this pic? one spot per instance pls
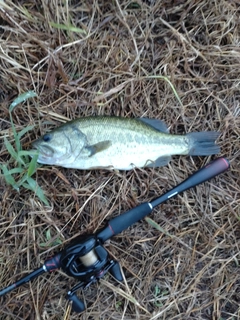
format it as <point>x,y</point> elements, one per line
<point>105,58</point>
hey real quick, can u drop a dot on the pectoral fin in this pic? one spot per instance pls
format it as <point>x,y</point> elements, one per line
<point>98,147</point>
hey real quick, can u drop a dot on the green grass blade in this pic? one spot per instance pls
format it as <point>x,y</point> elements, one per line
<point>157,226</point>
<point>170,84</point>
<point>16,138</point>
<point>51,241</point>
<point>25,153</point>
<point>25,12</point>
<point>31,184</point>
<point>19,99</point>
<point>25,130</point>
<point>25,168</point>
<point>8,177</point>
<point>10,149</point>
<point>33,165</point>
<point>22,180</point>
<point>67,27</point>
<point>23,97</point>
<point>16,170</point>
<point>134,5</point>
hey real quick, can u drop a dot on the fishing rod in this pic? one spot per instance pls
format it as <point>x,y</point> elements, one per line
<point>87,260</point>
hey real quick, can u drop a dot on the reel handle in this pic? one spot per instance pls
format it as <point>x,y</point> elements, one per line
<point>77,304</point>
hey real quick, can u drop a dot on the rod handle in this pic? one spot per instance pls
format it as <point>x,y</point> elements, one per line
<point>209,171</point>
<point>122,222</point>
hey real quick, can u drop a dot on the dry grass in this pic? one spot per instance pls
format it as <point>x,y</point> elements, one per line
<point>192,274</point>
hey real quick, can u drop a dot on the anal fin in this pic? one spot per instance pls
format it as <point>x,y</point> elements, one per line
<point>159,162</point>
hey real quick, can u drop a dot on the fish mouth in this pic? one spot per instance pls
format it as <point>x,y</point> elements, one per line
<point>45,152</point>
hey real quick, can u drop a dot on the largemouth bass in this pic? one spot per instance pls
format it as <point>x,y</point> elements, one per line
<point>119,143</point>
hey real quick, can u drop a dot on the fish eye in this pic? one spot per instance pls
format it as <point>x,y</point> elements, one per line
<point>47,137</point>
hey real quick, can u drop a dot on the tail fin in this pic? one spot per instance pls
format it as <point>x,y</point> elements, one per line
<point>203,143</point>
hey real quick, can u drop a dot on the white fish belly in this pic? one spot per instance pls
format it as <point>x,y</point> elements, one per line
<point>125,157</point>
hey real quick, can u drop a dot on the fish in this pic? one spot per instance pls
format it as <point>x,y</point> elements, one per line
<point>111,142</point>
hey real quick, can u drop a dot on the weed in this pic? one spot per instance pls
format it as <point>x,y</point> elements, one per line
<point>25,161</point>
<point>50,241</point>
<point>158,294</point>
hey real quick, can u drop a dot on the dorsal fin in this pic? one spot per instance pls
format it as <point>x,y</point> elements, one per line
<point>156,124</point>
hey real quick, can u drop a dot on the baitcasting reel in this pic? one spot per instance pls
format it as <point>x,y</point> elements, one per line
<point>87,260</point>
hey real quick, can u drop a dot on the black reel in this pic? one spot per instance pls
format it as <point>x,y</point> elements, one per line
<point>87,260</point>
